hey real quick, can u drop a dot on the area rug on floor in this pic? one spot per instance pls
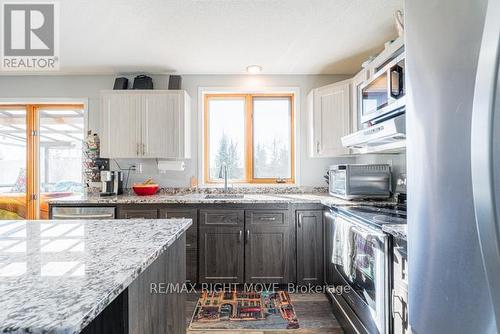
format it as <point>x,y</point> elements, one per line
<point>240,310</point>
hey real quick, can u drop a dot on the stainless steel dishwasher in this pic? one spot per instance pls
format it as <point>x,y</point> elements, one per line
<point>60,212</point>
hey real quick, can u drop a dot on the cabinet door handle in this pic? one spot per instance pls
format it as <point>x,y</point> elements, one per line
<point>240,235</point>
<point>137,149</point>
<point>392,304</point>
<point>299,222</point>
<point>247,237</point>
<point>317,147</point>
<point>143,149</point>
<point>267,218</point>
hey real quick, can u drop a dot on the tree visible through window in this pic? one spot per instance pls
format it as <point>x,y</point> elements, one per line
<point>252,135</point>
<point>227,152</point>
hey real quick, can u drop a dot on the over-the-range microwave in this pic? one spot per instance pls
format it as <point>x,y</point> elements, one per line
<point>383,95</point>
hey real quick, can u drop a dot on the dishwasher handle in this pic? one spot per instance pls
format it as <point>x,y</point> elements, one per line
<point>63,216</point>
<point>89,212</point>
<point>83,216</point>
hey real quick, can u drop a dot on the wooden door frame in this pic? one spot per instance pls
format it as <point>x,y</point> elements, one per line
<point>32,162</point>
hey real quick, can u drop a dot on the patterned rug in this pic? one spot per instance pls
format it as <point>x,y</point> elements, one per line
<point>266,310</point>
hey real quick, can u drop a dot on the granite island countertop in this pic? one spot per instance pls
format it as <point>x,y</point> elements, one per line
<point>200,198</point>
<point>57,276</point>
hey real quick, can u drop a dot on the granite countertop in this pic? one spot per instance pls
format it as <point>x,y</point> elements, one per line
<point>57,276</point>
<point>397,230</point>
<point>200,198</point>
<point>167,199</point>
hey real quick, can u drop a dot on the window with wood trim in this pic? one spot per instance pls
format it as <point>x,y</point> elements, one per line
<point>253,134</point>
<point>40,157</point>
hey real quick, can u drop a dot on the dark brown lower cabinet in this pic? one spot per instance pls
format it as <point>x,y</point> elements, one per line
<point>268,247</point>
<point>221,254</point>
<point>191,239</point>
<point>221,246</point>
<point>310,247</point>
<point>255,245</point>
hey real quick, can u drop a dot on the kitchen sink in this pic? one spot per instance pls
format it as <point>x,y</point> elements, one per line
<point>224,196</point>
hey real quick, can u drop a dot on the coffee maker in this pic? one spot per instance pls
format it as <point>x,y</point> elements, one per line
<point>111,183</point>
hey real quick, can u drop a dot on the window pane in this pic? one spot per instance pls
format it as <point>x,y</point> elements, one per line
<point>226,131</point>
<point>61,135</point>
<point>13,164</point>
<point>272,137</point>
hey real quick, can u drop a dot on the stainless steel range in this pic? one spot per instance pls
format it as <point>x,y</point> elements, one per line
<point>358,257</point>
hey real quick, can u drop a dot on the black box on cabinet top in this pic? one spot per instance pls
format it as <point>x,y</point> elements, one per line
<point>174,82</point>
<point>120,83</point>
<point>143,82</point>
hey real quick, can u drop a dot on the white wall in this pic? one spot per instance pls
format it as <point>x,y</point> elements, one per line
<point>312,170</point>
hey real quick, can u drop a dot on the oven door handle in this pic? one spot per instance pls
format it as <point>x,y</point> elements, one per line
<point>362,228</point>
<point>368,232</point>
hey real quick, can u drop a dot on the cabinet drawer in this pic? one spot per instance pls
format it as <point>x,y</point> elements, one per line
<point>266,217</point>
<point>138,214</point>
<point>217,217</point>
<point>192,232</point>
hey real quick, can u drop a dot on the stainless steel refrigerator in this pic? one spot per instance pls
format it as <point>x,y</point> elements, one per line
<point>453,122</point>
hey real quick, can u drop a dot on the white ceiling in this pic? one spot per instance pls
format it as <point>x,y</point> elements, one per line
<point>222,36</point>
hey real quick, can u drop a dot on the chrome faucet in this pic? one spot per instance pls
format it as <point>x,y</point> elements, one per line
<point>223,171</point>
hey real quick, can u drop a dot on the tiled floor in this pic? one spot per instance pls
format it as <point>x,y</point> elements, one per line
<point>313,311</point>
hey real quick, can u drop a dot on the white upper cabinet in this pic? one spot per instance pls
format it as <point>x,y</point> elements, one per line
<point>145,124</point>
<point>329,115</point>
<point>120,134</point>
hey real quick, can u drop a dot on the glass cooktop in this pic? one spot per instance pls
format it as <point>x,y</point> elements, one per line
<point>378,214</point>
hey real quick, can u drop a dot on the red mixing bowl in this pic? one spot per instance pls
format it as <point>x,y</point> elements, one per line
<point>145,189</point>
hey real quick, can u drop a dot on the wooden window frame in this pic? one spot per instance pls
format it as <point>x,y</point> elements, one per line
<point>33,150</point>
<point>249,138</point>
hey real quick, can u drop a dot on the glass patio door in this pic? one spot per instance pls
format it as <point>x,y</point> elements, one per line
<point>13,153</point>
<point>60,153</point>
<point>40,157</point>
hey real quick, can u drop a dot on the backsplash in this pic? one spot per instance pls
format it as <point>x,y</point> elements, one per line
<point>240,189</point>
<point>397,162</point>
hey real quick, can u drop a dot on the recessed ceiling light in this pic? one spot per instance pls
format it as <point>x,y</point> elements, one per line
<point>254,69</point>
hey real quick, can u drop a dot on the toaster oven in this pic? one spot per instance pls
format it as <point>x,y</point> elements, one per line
<point>370,181</point>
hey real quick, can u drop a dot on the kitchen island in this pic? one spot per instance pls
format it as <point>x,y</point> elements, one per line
<point>72,276</point>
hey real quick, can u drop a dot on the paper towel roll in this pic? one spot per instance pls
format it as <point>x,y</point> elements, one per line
<point>167,165</point>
